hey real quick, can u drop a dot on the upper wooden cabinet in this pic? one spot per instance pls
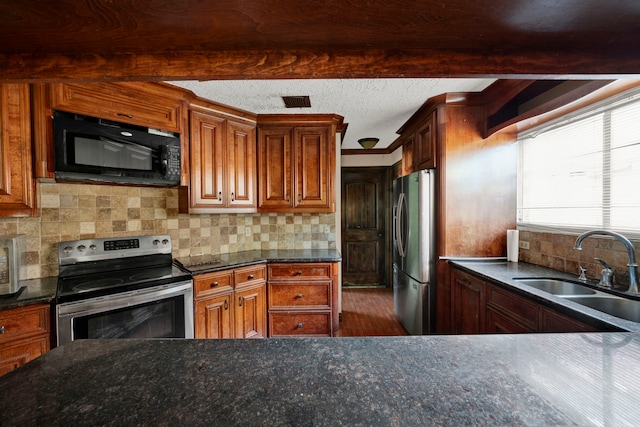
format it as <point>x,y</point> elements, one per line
<point>146,104</point>
<point>17,186</point>
<point>222,161</point>
<point>297,162</point>
<point>419,140</point>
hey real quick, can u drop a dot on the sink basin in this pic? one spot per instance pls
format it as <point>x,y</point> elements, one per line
<point>618,307</point>
<point>557,286</point>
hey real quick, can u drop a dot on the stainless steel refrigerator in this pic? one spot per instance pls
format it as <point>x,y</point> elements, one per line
<point>413,251</point>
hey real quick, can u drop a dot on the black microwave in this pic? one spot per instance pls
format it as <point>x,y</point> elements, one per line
<point>104,151</point>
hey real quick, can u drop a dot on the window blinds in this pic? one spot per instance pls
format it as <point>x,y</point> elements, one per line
<point>583,171</point>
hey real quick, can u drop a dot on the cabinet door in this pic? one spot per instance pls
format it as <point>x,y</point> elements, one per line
<point>17,354</point>
<point>17,188</point>
<point>426,144</point>
<point>250,312</point>
<point>550,321</point>
<point>498,323</point>
<point>274,164</point>
<point>241,173</point>
<point>468,303</point>
<point>408,148</point>
<point>214,316</point>
<point>314,171</point>
<point>207,161</point>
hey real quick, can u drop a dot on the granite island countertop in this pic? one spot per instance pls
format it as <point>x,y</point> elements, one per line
<point>547,379</point>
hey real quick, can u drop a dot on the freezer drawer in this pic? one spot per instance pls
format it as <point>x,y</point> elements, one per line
<point>411,303</point>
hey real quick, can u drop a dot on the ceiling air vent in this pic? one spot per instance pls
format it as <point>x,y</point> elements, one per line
<point>296,101</point>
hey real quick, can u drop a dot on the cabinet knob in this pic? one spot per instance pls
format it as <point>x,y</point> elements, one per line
<point>299,296</point>
<point>2,329</point>
<point>300,325</point>
<point>298,273</point>
<point>226,304</point>
<point>214,284</point>
<point>251,276</point>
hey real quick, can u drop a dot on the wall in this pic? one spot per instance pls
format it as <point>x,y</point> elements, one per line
<point>75,211</point>
<point>556,251</point>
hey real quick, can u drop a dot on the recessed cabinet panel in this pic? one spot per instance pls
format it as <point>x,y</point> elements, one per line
<point>207,161</point>
<point>241,152</point>
<point>275,168</point>
<point>312,154</point>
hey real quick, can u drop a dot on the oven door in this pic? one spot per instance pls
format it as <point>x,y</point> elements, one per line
<point>157,312</point>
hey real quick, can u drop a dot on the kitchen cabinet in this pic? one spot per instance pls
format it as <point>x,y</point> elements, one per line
<point>222,162</point>
<point>17,186</point>
<point>468,296</point>
<point>426,143</point>
<point>303,299</point>
<point>25,333</point>
<point>231,303</point>
<point>509,313</point>
<point>297,163</point>
<point>480,306</point>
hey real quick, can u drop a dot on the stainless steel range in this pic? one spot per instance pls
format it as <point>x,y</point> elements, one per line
<point>122,288</point>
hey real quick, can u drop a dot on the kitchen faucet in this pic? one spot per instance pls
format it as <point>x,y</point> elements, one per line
<point>633,266</point>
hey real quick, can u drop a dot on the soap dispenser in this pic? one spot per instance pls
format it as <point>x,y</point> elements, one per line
<point>606,275</point>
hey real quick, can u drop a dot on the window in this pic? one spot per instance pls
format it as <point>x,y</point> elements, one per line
<point>583,171</point>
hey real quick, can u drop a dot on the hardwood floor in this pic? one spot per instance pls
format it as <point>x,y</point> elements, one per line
<point>369,312</point>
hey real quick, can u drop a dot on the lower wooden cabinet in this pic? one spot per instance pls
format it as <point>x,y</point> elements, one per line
<point>303,299</point>
<point>231,303</point>
<point>479,306</point>
<point>467,293</point>
<point>25,333</point>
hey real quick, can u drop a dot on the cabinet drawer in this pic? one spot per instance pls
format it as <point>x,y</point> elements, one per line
<point>298,324</point>
<point>16,355</point>
<point>514,306</point>
<point>213,283</point>
<point>299,271</point>
<point>248,275</point>
<point>289,295</point>
<point>26,321</point>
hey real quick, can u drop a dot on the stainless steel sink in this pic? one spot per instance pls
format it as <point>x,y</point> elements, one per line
<point>557,286</point>
<point>618,307</point>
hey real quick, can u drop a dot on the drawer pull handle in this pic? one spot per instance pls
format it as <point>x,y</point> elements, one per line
<point>299,296</point>
<point>240,301</point>
<point>233,197</point>
<point>2,329</point>
<point>251,276</point>
<point>214,284</point>
<point>300,325</point>
<point>219,196</point>
<point>226,304</point>
<point>298,273</point>
<point>129,116</point>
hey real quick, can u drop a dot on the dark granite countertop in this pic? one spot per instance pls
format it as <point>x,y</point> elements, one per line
<point>35,291</point>
<point>209,263</point>
<point>538,380</point>
<point>504,272</point>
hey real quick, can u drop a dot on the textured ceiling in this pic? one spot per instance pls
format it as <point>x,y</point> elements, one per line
<point>371,107</point>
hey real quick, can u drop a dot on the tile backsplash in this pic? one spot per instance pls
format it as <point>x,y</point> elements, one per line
<point>77,211</point>
<point>557,251</point>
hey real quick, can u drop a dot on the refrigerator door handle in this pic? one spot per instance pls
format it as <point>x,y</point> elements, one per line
<point>399,236</point>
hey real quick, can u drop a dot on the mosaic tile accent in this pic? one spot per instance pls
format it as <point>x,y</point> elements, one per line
<point>556,251</point>
<point>78,211</point>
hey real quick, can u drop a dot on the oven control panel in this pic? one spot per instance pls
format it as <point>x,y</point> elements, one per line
<point>77,251</point>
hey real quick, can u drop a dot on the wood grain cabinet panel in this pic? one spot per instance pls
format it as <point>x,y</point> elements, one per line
<point>231,303</point>
<point>222,164</point>
<point>296,163</point>
<point>468,301</point>
<point>17,186</point>
<point>146,104</point>
<point>303,299</point>
<point>25,333</point>
<point>551,321</point>
<point>426,143</point>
